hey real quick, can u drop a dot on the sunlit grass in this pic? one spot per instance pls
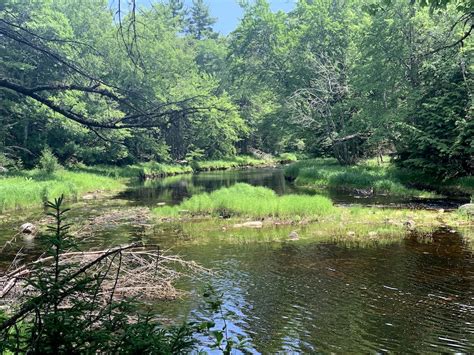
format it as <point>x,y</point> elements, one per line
<point>247,200</point>
<point>31,188</point>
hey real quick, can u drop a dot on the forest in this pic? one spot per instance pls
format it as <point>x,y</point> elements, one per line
<point>342,79</point>
<point>348,122</point>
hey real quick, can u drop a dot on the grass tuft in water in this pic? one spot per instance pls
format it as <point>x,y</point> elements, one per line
<point>250,201</point>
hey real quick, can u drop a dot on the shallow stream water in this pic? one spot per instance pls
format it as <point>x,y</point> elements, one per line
<point>409,296</point>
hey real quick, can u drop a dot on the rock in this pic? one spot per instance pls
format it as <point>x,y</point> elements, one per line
<point>468,209</point>
<point>294,235</point>
<point>28,228</point>
<point>410,225</point>
<point>89,197</point>
<point>252,224</point>
<point>372,235</point>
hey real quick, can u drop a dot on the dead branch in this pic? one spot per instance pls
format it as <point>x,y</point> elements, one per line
<point>143,271</point>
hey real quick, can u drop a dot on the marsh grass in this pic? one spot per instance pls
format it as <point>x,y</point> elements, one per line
<point>33,188</point>
<point>368,175</point>
<point>246,200</point>
<point>136,171</point>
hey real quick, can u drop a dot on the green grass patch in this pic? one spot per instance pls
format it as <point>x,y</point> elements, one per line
<point>141,170</point>
<point>250,201</point>
<point>32,188</point>
<point>369,176</point>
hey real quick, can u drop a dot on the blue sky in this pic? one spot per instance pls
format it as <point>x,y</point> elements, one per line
<point>228,12</point>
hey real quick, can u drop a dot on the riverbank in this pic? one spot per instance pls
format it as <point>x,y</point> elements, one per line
<point>154,170</point>
<point>370,178</point>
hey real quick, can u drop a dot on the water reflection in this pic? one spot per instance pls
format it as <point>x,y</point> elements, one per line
<point>173,190</point>
<point>415,296</point>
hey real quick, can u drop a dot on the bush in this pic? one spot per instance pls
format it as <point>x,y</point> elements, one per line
<point>48,163</point>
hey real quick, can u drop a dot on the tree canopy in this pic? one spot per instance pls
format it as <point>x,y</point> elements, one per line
<point>117,83</point>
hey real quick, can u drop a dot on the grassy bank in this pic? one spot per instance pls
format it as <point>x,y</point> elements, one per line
<point>368,177</point>
<point>32,188</point>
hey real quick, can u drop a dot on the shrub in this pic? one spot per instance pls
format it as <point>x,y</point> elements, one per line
<point>48,163</point>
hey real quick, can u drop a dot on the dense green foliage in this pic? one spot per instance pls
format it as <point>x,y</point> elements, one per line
<point>347,79</point>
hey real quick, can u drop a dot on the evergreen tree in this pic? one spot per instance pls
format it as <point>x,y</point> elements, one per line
<point>200,21</point>
<point>178,12</point>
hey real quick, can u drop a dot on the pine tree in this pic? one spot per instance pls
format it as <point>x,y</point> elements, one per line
<point>200,21</point>
<point>178,11</point>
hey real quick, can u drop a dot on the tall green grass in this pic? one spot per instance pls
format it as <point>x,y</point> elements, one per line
<point>368,175</point>
<point>32,188</point>
<point>140,170</point>
<point>250,201</point>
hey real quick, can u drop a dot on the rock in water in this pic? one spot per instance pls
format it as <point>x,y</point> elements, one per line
<point>294,235</point>
<point>410,225</point>
<point>468,209</point>
<point>253,224</point>
<point>28,228</point>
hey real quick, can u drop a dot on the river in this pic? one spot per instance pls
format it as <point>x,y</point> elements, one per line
<point>409,296</point>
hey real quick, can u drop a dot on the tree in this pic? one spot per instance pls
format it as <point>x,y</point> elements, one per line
<point>200,21</point>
